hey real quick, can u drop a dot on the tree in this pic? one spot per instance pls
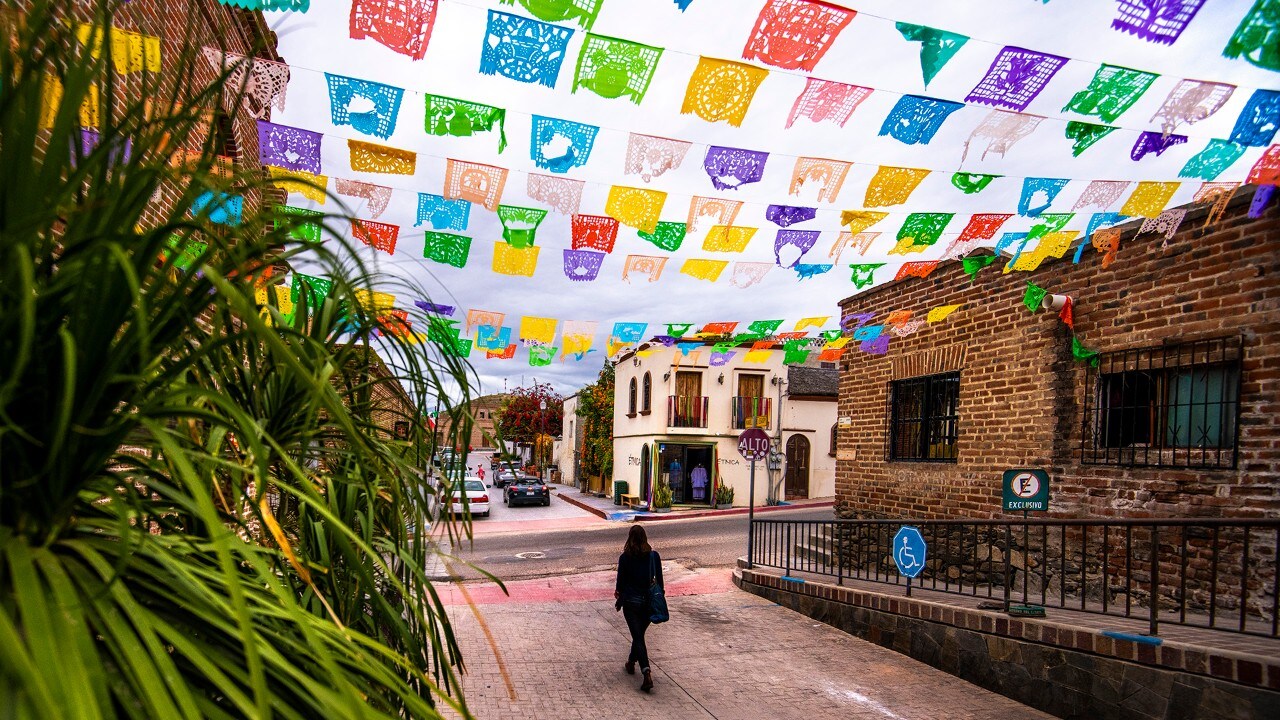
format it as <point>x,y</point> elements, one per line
<point>595,408</point>
<point>521,419</point>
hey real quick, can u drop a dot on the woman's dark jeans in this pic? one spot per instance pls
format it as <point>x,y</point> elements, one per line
<point>637,622</point>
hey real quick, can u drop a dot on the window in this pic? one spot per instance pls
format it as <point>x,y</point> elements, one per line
<point>631,399</point>
<point>402,429</point>
<point>924,418</point>
<point>832,451</point>
<point>646,394</point>
<point>1172,406</point>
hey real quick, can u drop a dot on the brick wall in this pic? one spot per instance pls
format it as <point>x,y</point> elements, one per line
<point>483,423</point>
<point>1022,394</point>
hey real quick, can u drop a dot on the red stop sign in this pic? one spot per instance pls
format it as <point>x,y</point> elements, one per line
<point>753,443</point>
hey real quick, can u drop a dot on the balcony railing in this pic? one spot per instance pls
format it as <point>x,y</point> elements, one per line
<point>751,412</point>
<point>686,411</point>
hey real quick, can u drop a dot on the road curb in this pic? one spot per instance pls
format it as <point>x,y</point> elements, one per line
<point>648,517</point>
<point>619,516</point>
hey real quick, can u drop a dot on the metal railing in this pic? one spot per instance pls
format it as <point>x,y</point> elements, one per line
<point>1218,574</point>
<point>686,411</point>
<point>751,412</point>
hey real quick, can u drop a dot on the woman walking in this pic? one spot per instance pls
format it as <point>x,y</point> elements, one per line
<point>639,567</point>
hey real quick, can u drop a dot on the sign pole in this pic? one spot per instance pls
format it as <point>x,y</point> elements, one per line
<point>751,514</point>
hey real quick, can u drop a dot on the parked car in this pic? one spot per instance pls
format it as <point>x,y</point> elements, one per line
<point>526,490</point>
<point>504,478</point>
<point>477,497</point>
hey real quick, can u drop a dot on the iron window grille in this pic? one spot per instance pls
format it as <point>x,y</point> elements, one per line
<point>924,418</point>
<point>1171,406</point>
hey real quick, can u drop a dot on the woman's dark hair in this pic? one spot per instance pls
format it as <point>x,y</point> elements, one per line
<point>637,542</point>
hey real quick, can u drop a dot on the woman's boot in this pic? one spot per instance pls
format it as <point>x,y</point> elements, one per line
<point>647,685</point>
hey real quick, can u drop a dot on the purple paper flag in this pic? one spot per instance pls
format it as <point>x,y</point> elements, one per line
<point>582,265</point>
<point>1261,197</point>
<point>804,240</point>
<point>434,309</point>
<point>725,165</point>
<point>1158,21</point>
<point>288,147</point>
<point>1015,77</point>
<point>1154,142</point>
<point>788,215</point>
<point>878,346</point>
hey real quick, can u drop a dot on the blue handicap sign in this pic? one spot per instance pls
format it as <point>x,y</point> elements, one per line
<point>909,551</point>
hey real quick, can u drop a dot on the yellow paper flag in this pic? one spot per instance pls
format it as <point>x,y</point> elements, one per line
<point>312,187</point>
<point>722,90</point>
<point>726,238</point>
<point>538,329</point>
<point>859,220</point>
<point>509,260</point>
<point>708,270</point>
<point>51,99</point>
<point>1149,198</point>
<point>809,322</point>
<point>1054,245</point>
<point>374,302</point>
<point>892,186</point>
<point>130,51</point>
<point>940,313</point>
<point>635,207</point>
<point>370,157</point>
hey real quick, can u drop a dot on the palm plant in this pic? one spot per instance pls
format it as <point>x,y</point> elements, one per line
<point>199,516</point>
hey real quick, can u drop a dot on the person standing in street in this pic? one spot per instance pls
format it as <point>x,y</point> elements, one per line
<point>639,567</point>
<point>480,472</point>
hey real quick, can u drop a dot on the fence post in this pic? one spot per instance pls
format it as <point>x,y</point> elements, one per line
<point>1008,562</point>
<point>1154,599</point>
<point>839,554</point>
<point>787,551</point>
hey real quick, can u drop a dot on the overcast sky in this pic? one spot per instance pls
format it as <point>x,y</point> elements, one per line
<point>869,52</point>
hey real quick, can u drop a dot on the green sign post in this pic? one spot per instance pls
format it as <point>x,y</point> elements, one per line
<point>1026,490</point>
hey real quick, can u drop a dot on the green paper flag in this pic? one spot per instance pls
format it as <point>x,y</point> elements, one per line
<point>1257,37</point>
<point>677,330</point>
<point>1082,353</point>
<point>299,227</point>
<point>667,235</point>
<point>831,335</point>
<point>188,251</point>
<point>1112,90</point>
<point>447,248</point>
<point>613,68</point>
<point>973,265</point>
<point>864,274</point>
<point>923,229</point>
<point>764,327</point>
<point>583,12</point>
<point>1210,162</point>
<point>520,224</point>
<point>795,352</point>
<point>1048,223</point>
<point>1034,295</point>
<point>1083,134</point>
<point>309,291</point>
<point>541,355</point>
<point>972,183</point>
<point>463,118</point>
<point>936,46</point>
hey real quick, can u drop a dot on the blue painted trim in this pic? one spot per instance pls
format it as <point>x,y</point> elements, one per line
<point>793,579</point>
<point>1144,639</point>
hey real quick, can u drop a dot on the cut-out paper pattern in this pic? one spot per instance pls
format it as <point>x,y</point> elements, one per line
<point>541,355</point>
<point>647,266</point>
<point>1257,124</point>
<point>795,34</point>
<point>1101,194</point>
<point>722,90</point>
<point>1191,101</point>
<point>1097,221</point>
<point>666,235</point>
<point>635,207</point>
<point>802,240</point>
<point>788,215</point>
<point>916,269</point>
<point>564,195</point>
<point>1218,194</point>
<point>650,157</point>
<point>1111,92</point>
<point>722,211</point>
<point>971,183</point>
<point>1001,130</point>
<point>980,230</point>
<point>1083,135</point>
<point>808,322</point>
<point>731,168</point>
<point>702,269</point>
<point>491,338</point>
<point>474,182</point>
<point>1166,223</point>
<point>1048,223</point>
<point>1257,37</point>
<point>1015,77</point>
<point>523,49</point>
<point>594,232</point>
<point>577,337</point>
<point>446,248</point>
<point>1261,197</point>
<point>613,68</point>
<point>288,147</point>
<point>379,236</point>
<point>936,46</point>
<point>942,312</point>
<point>892,186</point>
<point>1154,142</point>
<point>507,354</point>
<point>846,239</point>
<point>746,274</point>
<point>582,265</point>
<point>309,291</point>
<point>312,187</point>
<point>823,100</point>
<point>443,213</point>
<point>304,224</point>
<point>131,52</point>
<point>1082,353</point>
<point>1033,297</point>
<point>919,231</point>
<point>825,175</point>
<point>377,195</point>
<point>907,328</point>
<point>51,101</point>
<point>218,207</point>
<point>795,352</point>
<point>401,25</point>
<point>382,103</point>
<point>1213,160</point>
<point>476,318</point>
<point>628,332</point>
<point>868,332</point>
<point>1267,170</point>
<point>1051,245</point>
<point>1149,199</point>
<point>974,265</point>
<point>560,145</point>
<point>463,118</point>
<point>728,238</point>
<point>510,260</point>
<point>1157,21</point>
<point>915,119</point>
<point>436,308</point>
<point>259,84</point>
<point>582,12</point>
<point>369,157</point>
<point>864,274</point>
<point>1038,194</point>
<point>804,271</point>
<point>538,330</point>
<point>520,224</point>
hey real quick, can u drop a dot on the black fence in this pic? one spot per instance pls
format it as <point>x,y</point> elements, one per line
<point>1218,574</point>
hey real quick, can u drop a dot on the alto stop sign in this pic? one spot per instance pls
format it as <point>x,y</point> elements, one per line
<point>753,443</point>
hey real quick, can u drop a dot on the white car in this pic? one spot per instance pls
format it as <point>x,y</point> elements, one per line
<point>477,497</point>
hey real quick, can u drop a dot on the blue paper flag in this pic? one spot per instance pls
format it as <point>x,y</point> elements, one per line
<point>369,107</point>
<point>1210,162</point>
<point>916,119</point>
<point>629,332</point>
<point>443,213</point>
<point>1040,191</point>
<point>523,49</point>
<point>1258,122</point>
<point>222,208</point>
<point>560,145</point>
<point>804,271</point>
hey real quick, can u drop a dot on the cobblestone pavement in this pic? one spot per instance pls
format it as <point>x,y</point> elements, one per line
<point>725,654</point>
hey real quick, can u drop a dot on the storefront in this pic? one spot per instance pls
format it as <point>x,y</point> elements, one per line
<point>689,468</point>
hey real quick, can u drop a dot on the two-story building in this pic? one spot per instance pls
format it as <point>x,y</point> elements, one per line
<point>677,419</point>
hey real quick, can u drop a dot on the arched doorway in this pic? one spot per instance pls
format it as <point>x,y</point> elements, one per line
<point>645,472</point>
<point>797,481</point>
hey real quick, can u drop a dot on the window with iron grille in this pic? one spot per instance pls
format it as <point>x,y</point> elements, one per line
<point>1170,406</point>
<point>923,418</point>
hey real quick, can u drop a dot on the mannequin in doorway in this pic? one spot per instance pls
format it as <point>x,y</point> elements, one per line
<point>675,478</point>
<point>699,479</point>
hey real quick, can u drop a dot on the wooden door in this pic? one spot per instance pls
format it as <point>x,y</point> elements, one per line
<point>797,481</point>
<point>749,410</point>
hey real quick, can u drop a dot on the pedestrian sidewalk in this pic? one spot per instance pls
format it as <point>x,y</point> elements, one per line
<point>604,507</point>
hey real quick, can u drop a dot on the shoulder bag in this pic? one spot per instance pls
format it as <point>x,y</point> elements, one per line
<point>657,596</point>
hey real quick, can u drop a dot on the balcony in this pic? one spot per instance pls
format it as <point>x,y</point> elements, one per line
<point>751,412</point>
<point>686,411</point>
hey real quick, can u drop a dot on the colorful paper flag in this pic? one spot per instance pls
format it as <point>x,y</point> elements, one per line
<point>722,90</point>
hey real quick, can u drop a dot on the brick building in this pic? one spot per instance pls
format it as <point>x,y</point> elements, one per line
<point>483,411</point>
<point>370,384</point>
<point>1178,417</point>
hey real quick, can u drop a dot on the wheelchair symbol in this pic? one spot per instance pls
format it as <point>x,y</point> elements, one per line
<point>909,551</point>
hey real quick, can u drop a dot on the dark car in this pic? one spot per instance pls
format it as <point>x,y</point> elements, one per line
<point>526,490</point>
<point>504,478</point>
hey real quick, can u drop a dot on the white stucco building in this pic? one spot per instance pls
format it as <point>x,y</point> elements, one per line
<point>677,417</point>
<point>565,450</point>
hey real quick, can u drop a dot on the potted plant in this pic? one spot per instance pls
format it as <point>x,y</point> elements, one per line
<point>662,498</point>
<point>724,496</point>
